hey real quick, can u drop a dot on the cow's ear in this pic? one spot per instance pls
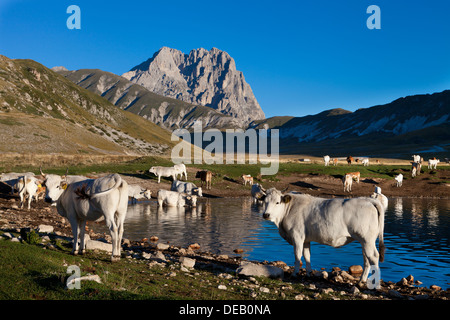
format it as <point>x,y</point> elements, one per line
<point>63,185</point>
<point>286,198</point>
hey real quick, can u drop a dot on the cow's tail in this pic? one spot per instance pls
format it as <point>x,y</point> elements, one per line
<point>381,245</point>
<point>21,183</point>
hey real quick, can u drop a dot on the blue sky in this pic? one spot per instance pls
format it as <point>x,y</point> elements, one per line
<point>299,57</point>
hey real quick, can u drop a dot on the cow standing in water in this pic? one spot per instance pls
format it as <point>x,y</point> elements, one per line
<point>302,219</point>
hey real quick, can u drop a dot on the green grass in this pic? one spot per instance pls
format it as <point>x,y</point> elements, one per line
<point>233,171</point>
<point>30,272</point>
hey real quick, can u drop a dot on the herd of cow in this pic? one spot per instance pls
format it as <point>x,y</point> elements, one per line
<point>81,199</point>
<point>300,218</point>
<point>347,179</point>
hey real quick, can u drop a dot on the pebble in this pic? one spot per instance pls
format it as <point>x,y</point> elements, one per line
<point>435,287</point>
<point>354,290</point>
<point>8,235</point>
<point>44,228</point>
<point>355,270</point>
<point>187,262</point>
<point>194,246</point>
<point>327,290</point>
<point>394,294</point>
<point>162,246</point>
<point>264,289</point>
<point>347,276</point>
<point>222,287</point>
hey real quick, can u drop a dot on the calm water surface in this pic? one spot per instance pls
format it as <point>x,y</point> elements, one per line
<point>417,235</point>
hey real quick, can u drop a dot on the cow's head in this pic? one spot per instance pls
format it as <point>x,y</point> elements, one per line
<point>192,200</point>
<point>147,193</point>
<point>198,191</point>
<point>275,204</point>
<point>152,170</point>
<point>54,187</point>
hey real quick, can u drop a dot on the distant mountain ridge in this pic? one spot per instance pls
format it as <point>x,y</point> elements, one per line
<point>417,122</point>
<point>166,112</point>
<point>173,90</point>
<point>202,77</point>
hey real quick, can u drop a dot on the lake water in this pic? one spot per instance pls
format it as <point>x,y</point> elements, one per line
<point>417,235</point>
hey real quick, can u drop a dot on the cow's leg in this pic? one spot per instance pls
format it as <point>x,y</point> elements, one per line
<point>113,229</point>
<point>74,225</point>
<point>21,199</point>
<point>82,231</point>
<point>307,256</point>
<point>29,201</point>
<point>298,249</point>
<point>371,257</point>
<point>120,218</point>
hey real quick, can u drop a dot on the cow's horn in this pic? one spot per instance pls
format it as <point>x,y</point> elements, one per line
<point>285,189</point>
<point>42,174</point>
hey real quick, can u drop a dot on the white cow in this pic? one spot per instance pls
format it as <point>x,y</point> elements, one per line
<point>326,159</point>
<point>432,163</point>
<point>399,179</point>
<point>137,192</point>
<point>164,172</point>
<point>302,219</point>
<point>186,187</point>
<point>258,192</point>
<point>54,185</point>
<point>365,162</point>
<point>416,158</point>
<point>380,197</point>
<point>93,200</point>
<point>28,187</point>
<point>347,180</point>
<point>181,169</point>
<point>175,199</point>
<point>12,178</point>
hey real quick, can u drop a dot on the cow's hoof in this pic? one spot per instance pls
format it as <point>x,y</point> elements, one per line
<point>115,258</point>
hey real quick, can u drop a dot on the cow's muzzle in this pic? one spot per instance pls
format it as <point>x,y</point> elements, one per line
<point>48,200</point>
<point>266,215</point>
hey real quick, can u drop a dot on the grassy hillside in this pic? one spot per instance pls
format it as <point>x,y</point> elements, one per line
<point>42,112</point>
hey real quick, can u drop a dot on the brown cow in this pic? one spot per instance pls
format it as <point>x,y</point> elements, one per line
<point>355,175</point>
<point>205,176</point>
<point>349,159</point>
<point>247,178</point>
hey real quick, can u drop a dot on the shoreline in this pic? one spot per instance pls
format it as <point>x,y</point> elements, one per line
<point>14,218</point>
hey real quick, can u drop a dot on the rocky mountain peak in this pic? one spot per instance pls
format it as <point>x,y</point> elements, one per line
<point>202,77</point>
